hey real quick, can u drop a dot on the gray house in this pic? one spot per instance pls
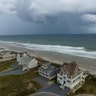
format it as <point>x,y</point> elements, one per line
<point>48,71</point>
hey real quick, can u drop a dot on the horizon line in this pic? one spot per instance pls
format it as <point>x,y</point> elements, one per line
<point>49,34</point>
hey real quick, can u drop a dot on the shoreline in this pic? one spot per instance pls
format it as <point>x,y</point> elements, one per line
<point>85,64</point>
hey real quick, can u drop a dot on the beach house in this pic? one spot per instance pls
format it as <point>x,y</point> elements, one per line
<point>6,55</point>
<point>48,71</point>
<point>70,76</point>
<point>27,61</point>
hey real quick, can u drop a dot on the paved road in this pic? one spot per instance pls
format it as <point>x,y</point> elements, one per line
<point>55,89</point>
<point>45,94</point>
<point>12,71</point>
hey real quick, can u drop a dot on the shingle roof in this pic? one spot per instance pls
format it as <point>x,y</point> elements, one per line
<point>71,69</point>
<point>49,67</point>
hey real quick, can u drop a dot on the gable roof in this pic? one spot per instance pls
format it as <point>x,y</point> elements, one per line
<point>27,59</point>
<point>49,67</point>
<point>71,69</point>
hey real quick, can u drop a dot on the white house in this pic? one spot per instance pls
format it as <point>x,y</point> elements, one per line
<point>6,55</point>
<point>27,61</point>
<point>70,76</point>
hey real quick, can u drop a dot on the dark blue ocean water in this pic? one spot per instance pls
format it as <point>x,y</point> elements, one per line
<point>88,41</point>
<point>79,45</point>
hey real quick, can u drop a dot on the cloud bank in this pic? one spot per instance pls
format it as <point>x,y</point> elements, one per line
<point>80,13</point>
<point>39,10</point>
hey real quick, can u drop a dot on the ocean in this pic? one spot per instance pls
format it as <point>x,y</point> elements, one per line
<point>83,45</point>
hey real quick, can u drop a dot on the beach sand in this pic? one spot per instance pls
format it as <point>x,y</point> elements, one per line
<point>84,63</point>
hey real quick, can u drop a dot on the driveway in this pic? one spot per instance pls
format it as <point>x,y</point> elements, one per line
<point>49,89</point>
<point>14,70</point>
<point>43,81</point>
<point>55,89</point>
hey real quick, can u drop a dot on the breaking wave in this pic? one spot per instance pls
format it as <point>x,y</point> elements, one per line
<point>75,51</point>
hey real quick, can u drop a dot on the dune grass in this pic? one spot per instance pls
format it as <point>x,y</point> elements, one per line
<point>89,87</point>
<point>19,85</point>
<point>7,64</point>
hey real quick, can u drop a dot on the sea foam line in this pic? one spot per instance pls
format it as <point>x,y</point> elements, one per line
<point>75,51</point>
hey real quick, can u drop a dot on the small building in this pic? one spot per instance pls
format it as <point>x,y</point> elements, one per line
<point>70,76</point>
<point>6,55</point>
<point>48,71</point>
<point>27,61</point>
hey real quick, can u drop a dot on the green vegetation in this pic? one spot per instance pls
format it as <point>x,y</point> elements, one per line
<point>41,61</point>
<point>14,52</point>
<point>7,64</point>
<point>93,78</point>
<point>19,85</point>
<point>89,87</point>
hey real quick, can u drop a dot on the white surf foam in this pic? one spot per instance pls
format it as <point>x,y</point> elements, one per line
<point>76,51</point>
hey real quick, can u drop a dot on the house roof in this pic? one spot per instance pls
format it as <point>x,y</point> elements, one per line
<point>49,67</point>
<point>27,59</point>
<point>21,54</point>
<point>71,69</point>
<point>7,55</point>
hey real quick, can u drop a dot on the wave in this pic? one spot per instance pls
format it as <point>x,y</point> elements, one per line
<point>75,51</point>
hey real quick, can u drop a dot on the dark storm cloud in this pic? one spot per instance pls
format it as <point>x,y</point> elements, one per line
<point>56,16</point>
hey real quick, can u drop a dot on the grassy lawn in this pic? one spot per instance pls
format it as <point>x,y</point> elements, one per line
<point>20,85</point>
<point>89,87</point>
<point>6,64</point>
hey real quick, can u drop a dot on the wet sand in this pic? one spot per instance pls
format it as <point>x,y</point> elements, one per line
<point>84,63</point>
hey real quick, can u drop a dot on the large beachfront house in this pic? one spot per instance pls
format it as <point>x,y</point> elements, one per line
<point>27,61</point>
<point>70,76</point>
<point>48,71</point>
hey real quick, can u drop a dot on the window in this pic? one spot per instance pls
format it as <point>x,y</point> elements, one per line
<point>64,82</point>
<point>61,78</point>
<point>68,81</point>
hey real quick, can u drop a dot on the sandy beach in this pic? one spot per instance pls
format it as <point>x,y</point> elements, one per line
<point>84,63</point>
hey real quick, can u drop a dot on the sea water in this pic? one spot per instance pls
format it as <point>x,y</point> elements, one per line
<point>83,45</point>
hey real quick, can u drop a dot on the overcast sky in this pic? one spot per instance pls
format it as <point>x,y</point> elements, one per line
<point>47,16</point>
